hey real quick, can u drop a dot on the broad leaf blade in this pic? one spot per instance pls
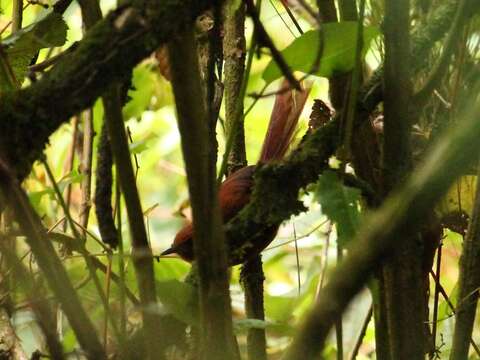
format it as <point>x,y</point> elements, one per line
<point>340,204</point>
<point>338,55</point>
<point>179,299</point>
<point>22,46</point>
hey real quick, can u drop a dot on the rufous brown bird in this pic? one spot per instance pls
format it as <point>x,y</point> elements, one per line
<point>235,191</point>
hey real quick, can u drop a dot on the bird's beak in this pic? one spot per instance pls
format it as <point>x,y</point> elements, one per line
<point>170,250</point>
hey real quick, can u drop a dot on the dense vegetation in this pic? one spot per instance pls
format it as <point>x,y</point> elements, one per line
<point>119,120</point>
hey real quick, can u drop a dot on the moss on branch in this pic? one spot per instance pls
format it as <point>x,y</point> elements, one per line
<point>108,51</point>
<point>277,185</point>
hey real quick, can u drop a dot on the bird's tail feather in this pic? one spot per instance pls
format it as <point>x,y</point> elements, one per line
<point>283,122</point>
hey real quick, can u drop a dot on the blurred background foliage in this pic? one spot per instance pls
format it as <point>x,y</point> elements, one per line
<point>296,264</point>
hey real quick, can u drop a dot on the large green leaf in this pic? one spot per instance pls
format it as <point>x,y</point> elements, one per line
<point>23,45</point>
<point>340,204</point>
<point>338,55</point>
<point>148,92</point>
<point>280,308</point>
<point>179,299</point>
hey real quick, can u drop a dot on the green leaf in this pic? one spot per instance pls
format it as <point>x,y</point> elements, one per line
<point>35,197</point>
<point>444,310</point>
<point>280,308</point>
<point>74,177</point>
<point>23,45</point>
<point>171,270</point>
<point>140,146</point>
<point>179,299</point>
<point>340,40</point>
<point>143,87</point>
<point>340,204</point>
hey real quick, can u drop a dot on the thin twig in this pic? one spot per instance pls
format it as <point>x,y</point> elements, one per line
<point>265,40</point>
<point>80,245</point>
<point>86,168</point>
<point>292,17</point>
<point>451,306</point>
<point>436,297</point>
<point>69,165</point>
<point>359,341</point>
<point>297,259</point>
<point>50,264</point>
<point>107,294</point>
<point>338,320</point>
<point>121,264</point>
<point>443,164</point>
<point>40,67</point>
<point>439,69</point>
<point>36,301</point>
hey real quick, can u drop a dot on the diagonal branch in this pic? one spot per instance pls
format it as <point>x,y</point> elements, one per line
<point>401,213</point>
<point>50,264</point>
<point>107,52</point>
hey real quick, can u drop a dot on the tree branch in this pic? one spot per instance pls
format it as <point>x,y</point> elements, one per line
<point>107,52</point>
<point>402,274</point>
<point>468,284</point>
<point>423,39</point>
<point>50,264</point>
<point>402,212</point>
<point>301,168</point>
<point>141,252</point>
<point>199,154</point>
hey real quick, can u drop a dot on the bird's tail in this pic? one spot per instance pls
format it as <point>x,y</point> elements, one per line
<point>283,122</point>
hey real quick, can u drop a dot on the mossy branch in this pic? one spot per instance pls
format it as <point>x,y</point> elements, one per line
<point>423,39</point>
<point>109,50</point>
<point>401,213</point>
<point>301,168</point>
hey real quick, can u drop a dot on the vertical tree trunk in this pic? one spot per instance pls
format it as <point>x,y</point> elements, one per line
<point>404,296</point>
<point>234,48</point>
<point>209,245</point>
<point>469,283</point>
<point>252,279</point>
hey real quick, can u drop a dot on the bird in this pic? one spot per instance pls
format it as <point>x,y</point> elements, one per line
<point>234,193</point>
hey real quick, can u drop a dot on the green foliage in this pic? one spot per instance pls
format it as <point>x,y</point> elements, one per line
<point>180,299</point>
<point>148,92</point>
<point>150,116</point>
<point>338,56</point>
<point>22,46</point>
<point>74,177</point>
<point>140,146</point>
<point>340,204</point>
